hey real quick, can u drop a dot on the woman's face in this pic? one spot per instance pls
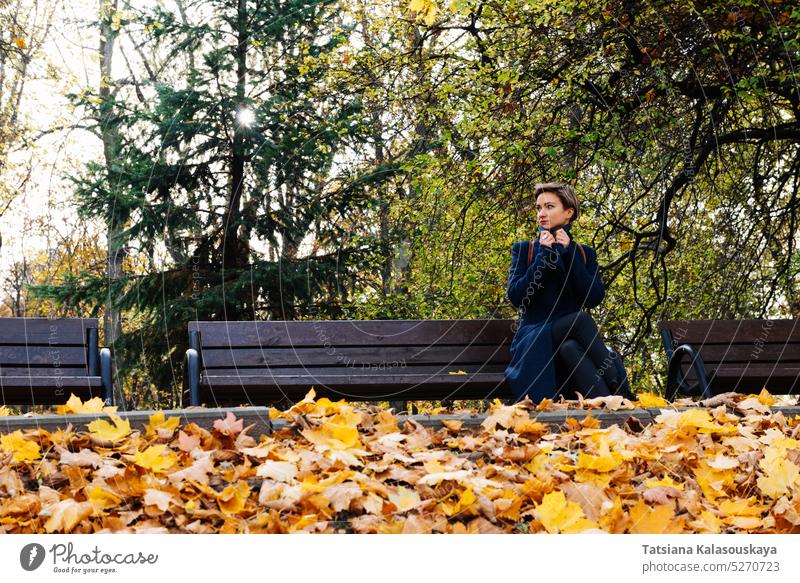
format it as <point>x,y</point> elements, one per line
<point>550,211</point>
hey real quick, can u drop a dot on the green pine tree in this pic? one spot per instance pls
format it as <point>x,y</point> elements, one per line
<point>226,165</point>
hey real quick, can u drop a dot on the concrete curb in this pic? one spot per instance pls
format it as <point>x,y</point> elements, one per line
<point>259,416</point>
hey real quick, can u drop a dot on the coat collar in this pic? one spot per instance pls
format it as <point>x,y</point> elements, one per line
<point>566,227</point>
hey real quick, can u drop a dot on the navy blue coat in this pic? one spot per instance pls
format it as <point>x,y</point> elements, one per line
<point>557,282</point>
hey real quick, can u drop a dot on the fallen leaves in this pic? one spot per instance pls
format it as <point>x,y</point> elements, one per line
<point>104,433</point>
<point>559,515</point>
<point>336,468</point>
<point>23,449</point>
<point>156,458</point>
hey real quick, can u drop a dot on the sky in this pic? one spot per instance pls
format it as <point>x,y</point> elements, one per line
<point>42,212</point>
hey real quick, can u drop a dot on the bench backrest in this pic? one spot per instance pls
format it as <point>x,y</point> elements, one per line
<point>757,350</point>
<point>64,347</point>
<point>353,346</point>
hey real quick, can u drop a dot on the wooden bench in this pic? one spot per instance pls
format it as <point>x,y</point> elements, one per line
<point>43,360</point>
<point>731,355</point>
<point>360,360</point>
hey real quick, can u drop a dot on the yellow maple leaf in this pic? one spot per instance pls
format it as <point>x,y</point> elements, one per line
<point>155,459</point>
<point>699,420</point>
<point>465,500</point>
<point>651,400</point>
<point>665,481</point>
<point>614,520</point>
<point>707,523</point>
<point>5,411</point>
<point>599,463</point>
<point>20,42</point>
<point>742,513</point>
<point>65,515</point>
<point>233,498</point>
<point>740,507</point>
<point>766,398</point>
<point>780,474</point>
<point>74,405</point>
<point>404,499</point>
<point>340,432</point>
<point>558,515</point>
<point>23,449</point>
<point>659,519</point>
<point>712,481</point>
<point>105,431</point>
<point>102,499</point>
<point>157,421</point>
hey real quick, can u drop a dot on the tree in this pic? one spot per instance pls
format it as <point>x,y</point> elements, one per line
<point>224,163</point>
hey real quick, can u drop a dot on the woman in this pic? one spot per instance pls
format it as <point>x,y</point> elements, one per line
<point>557,347</point>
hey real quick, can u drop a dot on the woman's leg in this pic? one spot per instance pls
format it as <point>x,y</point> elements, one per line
<point>581,327</point>
<point>583,374</point>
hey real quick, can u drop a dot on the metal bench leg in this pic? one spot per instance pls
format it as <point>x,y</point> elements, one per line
<point>191,376</point>
<point>674,369</point>
<point>106,376</point>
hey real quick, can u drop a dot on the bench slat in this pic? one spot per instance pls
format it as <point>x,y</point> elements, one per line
<point>733,331</point>
<point>334,370</point>
<point>246,388</point>
<point>42,356</point>
<point>741,353</point>
<point>44,371</point>
<point>47,391</point>
<point>45,331</point>
<point>354,357</point>
<point>353,333</point>
<point>52,381</point>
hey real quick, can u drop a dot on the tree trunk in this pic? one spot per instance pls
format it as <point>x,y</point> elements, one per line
<point>109,131</point>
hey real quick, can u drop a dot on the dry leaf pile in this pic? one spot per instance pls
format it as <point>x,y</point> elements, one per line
<point>337,468</point>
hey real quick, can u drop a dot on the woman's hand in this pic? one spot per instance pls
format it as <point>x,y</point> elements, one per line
<point>562,238</point>
<point>546,239</point>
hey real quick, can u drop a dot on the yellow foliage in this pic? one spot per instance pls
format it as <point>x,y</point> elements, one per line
<point>102,499</point>
<point>427,10</point>
<point>657,520</point>
<point>66,514</point>
<point>74,405</point>
<point>233,498</point>
<point>651,400</point>
<point>156,458</point>
<point>23,449</point>
<point>157,421</point>
<point>780,474</point>
<point>105,431</point>
<point>558,515</point>
<point>404,499</point>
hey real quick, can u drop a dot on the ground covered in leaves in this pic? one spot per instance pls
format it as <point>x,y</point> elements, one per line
<point>729,467</point>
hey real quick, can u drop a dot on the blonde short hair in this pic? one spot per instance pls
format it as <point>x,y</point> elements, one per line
<point>564,192</point>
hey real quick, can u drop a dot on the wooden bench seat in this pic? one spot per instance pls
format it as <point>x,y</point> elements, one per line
<point>43,360</point>
<point>732,355</point>
<point>391,360</point>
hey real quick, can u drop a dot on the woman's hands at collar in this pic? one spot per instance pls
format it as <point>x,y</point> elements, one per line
<point>550,240</point>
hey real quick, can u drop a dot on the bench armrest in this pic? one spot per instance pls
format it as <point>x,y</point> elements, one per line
<point>106,376</point>
<point>191,376</point>
<point>674,385</point>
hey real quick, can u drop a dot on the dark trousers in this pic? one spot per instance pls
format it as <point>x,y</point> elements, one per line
<point>582,356</point>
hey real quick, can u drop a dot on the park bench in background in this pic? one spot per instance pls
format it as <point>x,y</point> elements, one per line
<point>358,360</point>
<point>731,355</point>
<point>43,360</point>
